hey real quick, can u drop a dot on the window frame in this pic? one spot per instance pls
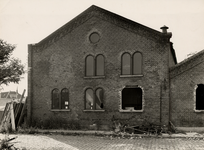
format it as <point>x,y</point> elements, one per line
<point>131,65</point>
<point>94,100</point>
<point>59,101</point>
<point>94,67</point>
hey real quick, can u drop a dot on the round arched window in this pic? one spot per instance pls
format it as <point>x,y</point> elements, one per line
<point>94,37</point>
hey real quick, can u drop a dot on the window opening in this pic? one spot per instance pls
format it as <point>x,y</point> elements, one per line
<point>65,99</point>
<point>89,65</point>
<point>100,65</point>
<point>137,63</point>
<point>89,99</point>
<point>99,98</point>
<point>126,61</point>
<point>200,97</point>
<point>55,99</point>
<point>132,99</point>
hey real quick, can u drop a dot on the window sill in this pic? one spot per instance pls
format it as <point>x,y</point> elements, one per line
<point>130,76</point>
<point>121,110</point>
<point>60,110</point>
<point>95,77</point>
<point>94,110</point>
<point>199,111</point>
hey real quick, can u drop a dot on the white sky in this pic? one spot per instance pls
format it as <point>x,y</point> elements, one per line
<point>23,22</point>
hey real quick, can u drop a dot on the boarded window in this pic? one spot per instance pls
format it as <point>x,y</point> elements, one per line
<point>132,98</point>
<point>65,99</point>
<point>126,61</point>
<point>89,66</point>
<point>137,63</point>
<point>89,99</point>
<point>200,97</point>
<point>55,99</point>
<point>100,65</point>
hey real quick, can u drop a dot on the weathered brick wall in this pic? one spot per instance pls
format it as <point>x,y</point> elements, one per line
<point>184,79</point>
<point>62,65</point>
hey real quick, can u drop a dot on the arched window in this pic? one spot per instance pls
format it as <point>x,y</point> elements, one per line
<point>137,63</point>
<point>200,97</point>
<point>126,61</point>
<point>65,99</point>
<point>89,65</point>
<point>99,98</point>
<point>55,99</point>
<point>89,104</point>
<point>132,98</point>
<point>99,65</point>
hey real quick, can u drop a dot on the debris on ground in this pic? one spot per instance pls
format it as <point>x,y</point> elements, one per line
<point>146,128</point>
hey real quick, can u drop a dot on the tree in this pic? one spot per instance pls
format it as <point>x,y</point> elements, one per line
<point>11,69</point>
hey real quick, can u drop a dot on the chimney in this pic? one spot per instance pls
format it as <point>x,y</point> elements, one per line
<point>164,29</point>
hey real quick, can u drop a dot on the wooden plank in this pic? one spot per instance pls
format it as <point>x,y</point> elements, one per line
<point>18,106</point>
<point>22,113</point>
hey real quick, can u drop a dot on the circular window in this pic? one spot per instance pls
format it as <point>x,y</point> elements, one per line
<point>94,37</point>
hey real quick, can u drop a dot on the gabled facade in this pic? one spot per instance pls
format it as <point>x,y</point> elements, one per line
<point>101,65</point>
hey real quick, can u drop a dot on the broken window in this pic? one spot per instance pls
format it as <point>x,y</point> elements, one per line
<point>132,65</point>
<point>64,99</point>
<point>55,99</point>
<point>94,99</point>
<point>137,63</point>
<point>132,98</point>
<point>95,67</point>
<point>200,97</point>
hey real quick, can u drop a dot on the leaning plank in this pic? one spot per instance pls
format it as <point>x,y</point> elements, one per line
<point>23,112</point>
<point>12,117</point>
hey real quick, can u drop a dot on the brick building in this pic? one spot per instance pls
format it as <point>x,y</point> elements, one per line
<point>101,65</point>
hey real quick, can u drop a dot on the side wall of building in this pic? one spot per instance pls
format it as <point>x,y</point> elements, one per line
<point>184,80</point>
<point>62,65</point>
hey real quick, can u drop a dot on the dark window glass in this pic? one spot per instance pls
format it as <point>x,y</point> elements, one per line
<point>132,98</point>
<point>55,99</point>
<point>100,65</point>
<point>99,98</point>
<point>137,63</point>
<point>89,99</point>
<point>89,66</point>
<point>65,99</point>
<point>94,37</point>
<point>126,61</point>
<point>200,97</point>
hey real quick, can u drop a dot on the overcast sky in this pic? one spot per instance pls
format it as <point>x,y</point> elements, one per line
<point>24,22</point>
